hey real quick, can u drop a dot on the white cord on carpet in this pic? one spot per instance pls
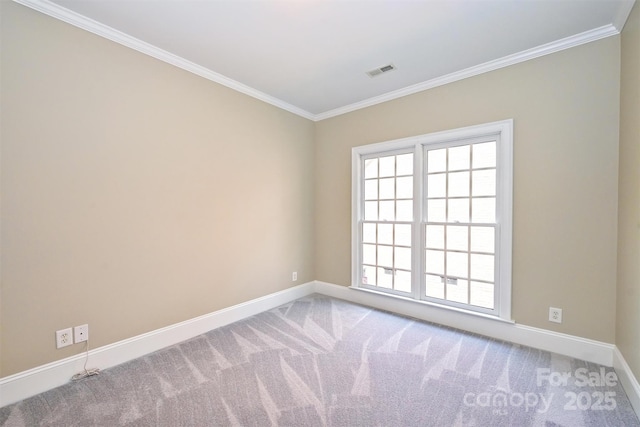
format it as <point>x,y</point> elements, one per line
<point>86,372</point>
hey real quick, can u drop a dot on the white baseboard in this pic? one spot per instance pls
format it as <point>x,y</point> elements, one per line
<point>42,378</point>
<point>28,383</point>
<point>569,345</point>
<point>627,379</point>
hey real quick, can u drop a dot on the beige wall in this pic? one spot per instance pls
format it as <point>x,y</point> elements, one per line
<point>565,109</point>
<point>628,307</point>
<point>134,194</point>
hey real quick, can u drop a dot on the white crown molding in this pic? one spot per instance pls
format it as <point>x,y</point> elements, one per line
<point>88,24</point>
<point>526,55</point>
<point>623,14</point>
<point>80,21</point>
<point>56,11</point>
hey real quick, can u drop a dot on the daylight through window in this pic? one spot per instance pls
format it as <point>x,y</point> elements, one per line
<point>432,218</point>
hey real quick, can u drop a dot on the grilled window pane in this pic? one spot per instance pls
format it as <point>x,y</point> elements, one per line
<point>483,239</point>
<point>387,166</point>
<point>404,210</point>
<point>482,267</point>
<point>437,160</point>
<point>371,168</point>
<point>434,262</point>
<point>481,294</point>
<point>370,211</point>
<point>385,234</point>
<point>369,275</point>
<point>387,210</point>
<point>404,187</point>
<point>483,210</point>
<point>458,290</point>
<point>435,236</point>
<point>387,188</point>
<point>369,254</point>
<point>371,189</point>
<point>385,256</point>
<point>369,233</point>
<point>457,238</point>
<point>484,182</point>
<point>484,155</point>
<point>434,286</point>
<point>458,184</point>
<point>457,264</point>
<point>403,235</point>
<point>437,211</point>
<point>403,281</point>
<point>458,210</point>
<point>385,277</point>
<point>437,185</point>
<point>402,258</point>
<point>404,164</point>
<point>459,157</point>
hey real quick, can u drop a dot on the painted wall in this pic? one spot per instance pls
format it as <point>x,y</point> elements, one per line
<point>134,194</point>
<point>565,108</point>
<point>628,306</point>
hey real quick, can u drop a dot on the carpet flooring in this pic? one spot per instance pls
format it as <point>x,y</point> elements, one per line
<point>319,361</point>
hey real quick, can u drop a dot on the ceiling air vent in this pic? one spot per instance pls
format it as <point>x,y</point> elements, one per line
<point>381,70</point>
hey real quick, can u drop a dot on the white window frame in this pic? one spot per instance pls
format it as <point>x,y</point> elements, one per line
<point>503,133</point>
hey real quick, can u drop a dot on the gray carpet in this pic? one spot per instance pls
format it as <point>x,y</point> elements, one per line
<point>321,361</point>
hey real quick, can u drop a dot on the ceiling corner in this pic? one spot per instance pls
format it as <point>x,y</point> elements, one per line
<point>623,14</point>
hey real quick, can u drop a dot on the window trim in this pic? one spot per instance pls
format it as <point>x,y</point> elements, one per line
<point>504,208</point>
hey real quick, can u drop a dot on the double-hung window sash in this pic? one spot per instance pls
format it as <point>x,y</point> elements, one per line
<point>432,218</point>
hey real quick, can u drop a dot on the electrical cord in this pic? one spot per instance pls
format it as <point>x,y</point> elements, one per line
<point>86,372</point>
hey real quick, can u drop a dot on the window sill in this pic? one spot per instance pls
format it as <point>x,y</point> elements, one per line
<point>433,305</point>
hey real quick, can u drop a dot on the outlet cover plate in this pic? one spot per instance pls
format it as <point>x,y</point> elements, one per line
<point>64,337</point>
<point>555,315</point>
<point>81,333</point>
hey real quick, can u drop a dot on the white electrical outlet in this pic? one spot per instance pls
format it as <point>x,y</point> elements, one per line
<point>555,315</point>
<point>294,276</point>
<point>64,337</point>
<point>81,333</point>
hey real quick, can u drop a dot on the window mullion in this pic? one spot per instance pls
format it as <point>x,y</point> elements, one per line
<point>418,229</point>
<point>445,276</point>
<point>469,287</point>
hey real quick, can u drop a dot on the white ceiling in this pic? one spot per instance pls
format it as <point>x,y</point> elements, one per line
<point>311,56</point>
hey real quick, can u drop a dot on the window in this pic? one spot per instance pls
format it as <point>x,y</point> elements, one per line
<point>432,218</point>
<point>387,223</point>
